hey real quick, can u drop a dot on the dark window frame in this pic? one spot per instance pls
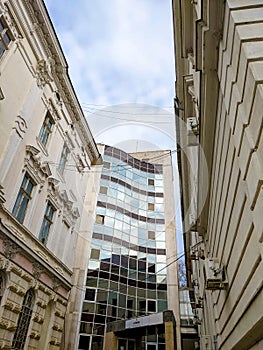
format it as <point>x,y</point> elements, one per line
<point>46,129</point>
<point>23,198</point>
<point>47,222</point>
<point>6,36</point>
<point>63,159</point>
<point>23,323</point>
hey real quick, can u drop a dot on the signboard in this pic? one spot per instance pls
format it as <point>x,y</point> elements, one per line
<point>144,321</point>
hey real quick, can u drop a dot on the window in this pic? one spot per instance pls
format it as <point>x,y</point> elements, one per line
<point>23,197</point>
<point>151,235</point>
<point>63,159</point>
<point>46,129</point>
<point>95,254</point>
<point>47,222</point>
<point>99,219</point>
<point>2,284</point>
<point>151,305</point>
<point>106,165</point>
<point>90,294</point>
<point>151,206</point>
<point>150,182</point>
<point>103,190</point>
<point>5,37</point>
<point>23,321</point>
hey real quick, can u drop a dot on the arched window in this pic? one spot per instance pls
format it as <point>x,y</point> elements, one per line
<point>2,284</point>
<point>23,321</point>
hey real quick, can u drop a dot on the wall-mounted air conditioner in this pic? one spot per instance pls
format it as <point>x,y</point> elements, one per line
<point>214,274</point>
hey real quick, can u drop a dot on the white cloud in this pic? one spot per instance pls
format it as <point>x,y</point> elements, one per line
<point>117,52</point>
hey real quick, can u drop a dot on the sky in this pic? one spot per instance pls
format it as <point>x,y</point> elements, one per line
<point>120,55</point>
<point>118,51</point>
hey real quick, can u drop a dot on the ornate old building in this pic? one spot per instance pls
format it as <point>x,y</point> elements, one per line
<point>219,99</point>
<point>46,153</point>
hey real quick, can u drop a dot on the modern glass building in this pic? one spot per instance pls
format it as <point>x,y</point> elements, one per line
<point>127,275</point>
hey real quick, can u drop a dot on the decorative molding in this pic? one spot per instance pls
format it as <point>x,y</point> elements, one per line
<point>53,110</point>
<point>59,314</point>
<point>34,335</point>
<point>55,283</point>
<point>2,195</point>
<point>54,341</point>
<point>5,344</point>
<point>37,270</point>
<point>15,231</point>
<point>57,327</point>
<point>41,303</point>
<point>20,126</point>
<point>6,324</point>
<point>44,73</point>
<point>39,170</point>
<point>12,306</point>
<point>10,248</point>
<point>38,319</point>
<point>14,287</point>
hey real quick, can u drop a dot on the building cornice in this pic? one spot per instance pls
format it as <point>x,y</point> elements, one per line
<point>41,35</point>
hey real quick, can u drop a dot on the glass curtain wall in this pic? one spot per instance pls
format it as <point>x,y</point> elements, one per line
<point>127,267</point>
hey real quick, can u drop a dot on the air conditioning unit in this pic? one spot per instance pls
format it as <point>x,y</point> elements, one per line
<point>214,274</point>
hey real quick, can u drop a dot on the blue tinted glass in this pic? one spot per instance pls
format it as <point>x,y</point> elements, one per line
<point>22,209</point>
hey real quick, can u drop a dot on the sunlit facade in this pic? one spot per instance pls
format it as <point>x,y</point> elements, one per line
<point>127,274</point>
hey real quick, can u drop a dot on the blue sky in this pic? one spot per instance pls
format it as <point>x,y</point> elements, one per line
<point>121,62</point>
<point>118,51</point>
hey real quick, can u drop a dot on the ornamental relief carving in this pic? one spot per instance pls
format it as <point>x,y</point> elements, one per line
<point>44,73</point>
<point>8,18</point>
<point>39,170</point>
<point>10,248</point>
<point>20,126</point>
<point>37,270</point>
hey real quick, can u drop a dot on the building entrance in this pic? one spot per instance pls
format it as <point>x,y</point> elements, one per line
<point>126,344</point>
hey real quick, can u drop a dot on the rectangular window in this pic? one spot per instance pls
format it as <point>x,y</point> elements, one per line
<point>5,37</point>
<point>150,182</point>
<point>106,165</point>
<point>151,235</point>
<point>46,224</point>
<point>151,206</point>
<point>23,198</point>
<point>99,219</point>
<point>46,129</point>
<point>63,159</point>
<point>103,189</point>
<point>151,305</point>
<point>95,254</point>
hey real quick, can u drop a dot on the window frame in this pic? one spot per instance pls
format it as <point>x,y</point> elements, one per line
<point>24,320</point>
<point>46,129</point>
<point>63,159</point>
<point>47,222</point>
<point>23,198</point>
<point>4,33</point>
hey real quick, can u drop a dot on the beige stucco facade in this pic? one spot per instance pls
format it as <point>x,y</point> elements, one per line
<point>46,156</point>
<point>219,98</point>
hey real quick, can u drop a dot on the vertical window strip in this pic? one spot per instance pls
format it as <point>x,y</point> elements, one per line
<point>63,159</point>
<point>46,129</point>
<point>23,321</point>
<point>5,37</point>
<point>2,284</point>
<point>23,197</point>
<point>46,224</point>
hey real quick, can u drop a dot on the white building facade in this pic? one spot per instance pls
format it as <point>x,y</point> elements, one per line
<point>46,153</point>
<point>219,107</point>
